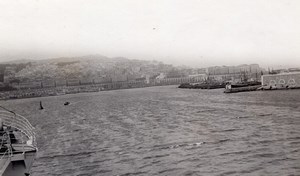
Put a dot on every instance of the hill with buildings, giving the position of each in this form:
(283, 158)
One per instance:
(86, 68)
(98, 69)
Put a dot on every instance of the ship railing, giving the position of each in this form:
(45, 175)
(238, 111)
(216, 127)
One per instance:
(20, 123)
(6, 153)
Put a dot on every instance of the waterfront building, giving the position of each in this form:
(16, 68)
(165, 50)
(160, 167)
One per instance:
(238, 73)
(294, 69)
(29, 85)
(161, 76)
(225, 70)
(73, 82)
(118, 77)
(48, 83)
(9, 74)
(147, 79)
(86, 81)
(60, 82)
(283, 80)
(202, 71)
(198, 77)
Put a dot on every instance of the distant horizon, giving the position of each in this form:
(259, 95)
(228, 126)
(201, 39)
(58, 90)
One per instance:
(195, 33)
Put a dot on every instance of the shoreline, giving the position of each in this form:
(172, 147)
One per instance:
(59, 91)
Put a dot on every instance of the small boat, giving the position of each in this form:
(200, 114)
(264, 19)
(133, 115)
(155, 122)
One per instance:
(245, 84)
(18, 146)
(229, 89)
(204, 85)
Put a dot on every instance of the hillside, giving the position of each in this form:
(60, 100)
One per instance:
(86, 67)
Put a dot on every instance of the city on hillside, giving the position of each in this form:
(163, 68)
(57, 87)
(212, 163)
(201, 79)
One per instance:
(31, 78)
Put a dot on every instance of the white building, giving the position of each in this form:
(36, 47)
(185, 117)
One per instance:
(284, 80)
(198, 77)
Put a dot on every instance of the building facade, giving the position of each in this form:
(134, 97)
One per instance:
(284, 80)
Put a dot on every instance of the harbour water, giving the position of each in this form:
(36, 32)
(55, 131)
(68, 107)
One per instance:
(166, 131)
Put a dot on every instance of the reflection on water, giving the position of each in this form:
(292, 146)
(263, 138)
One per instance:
(166, 131)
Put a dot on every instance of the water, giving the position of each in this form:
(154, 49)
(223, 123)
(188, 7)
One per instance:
(166, 131)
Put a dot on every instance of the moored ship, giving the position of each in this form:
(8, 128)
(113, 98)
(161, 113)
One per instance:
(18, 146)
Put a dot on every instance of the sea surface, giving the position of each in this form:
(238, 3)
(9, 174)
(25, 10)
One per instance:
(166, 131)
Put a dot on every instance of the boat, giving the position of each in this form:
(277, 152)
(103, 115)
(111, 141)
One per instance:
(245, 84)
(208, 83)
(18, 145)
(203, 85)
(229, 89)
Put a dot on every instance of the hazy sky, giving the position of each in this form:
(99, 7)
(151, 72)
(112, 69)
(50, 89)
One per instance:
(191, 32)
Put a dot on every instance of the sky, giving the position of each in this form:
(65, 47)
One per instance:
(197, 33)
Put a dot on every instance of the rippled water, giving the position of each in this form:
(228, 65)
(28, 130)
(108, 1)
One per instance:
(166, 131)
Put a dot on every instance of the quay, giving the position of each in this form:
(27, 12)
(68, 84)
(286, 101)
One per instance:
(281, 81)
(268, 82)
(39, 89)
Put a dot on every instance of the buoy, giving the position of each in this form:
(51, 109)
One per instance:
(41, 106)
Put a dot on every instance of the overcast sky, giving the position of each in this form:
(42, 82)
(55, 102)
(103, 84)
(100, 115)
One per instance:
(191, 32)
